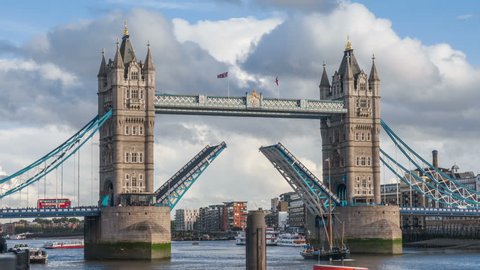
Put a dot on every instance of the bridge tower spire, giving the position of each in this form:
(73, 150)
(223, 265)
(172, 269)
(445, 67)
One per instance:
(351, 141)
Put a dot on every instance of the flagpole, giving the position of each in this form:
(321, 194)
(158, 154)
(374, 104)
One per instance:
(228, 85)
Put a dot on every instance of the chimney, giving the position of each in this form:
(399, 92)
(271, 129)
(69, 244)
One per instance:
(435, 158)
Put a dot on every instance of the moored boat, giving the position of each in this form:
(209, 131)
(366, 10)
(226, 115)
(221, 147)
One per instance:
(324, 255)
(64, 245)
(37, 255)
(240, 239)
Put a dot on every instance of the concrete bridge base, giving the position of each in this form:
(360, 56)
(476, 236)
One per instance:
(371, 229)
(129, 233)
(366, 229)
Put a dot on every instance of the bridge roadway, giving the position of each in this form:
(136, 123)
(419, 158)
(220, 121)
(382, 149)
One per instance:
(84, 211)
(252, 104)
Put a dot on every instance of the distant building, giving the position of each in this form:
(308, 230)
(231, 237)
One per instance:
(185, 219)
(211, 218)
(296, 211)
(235, 216)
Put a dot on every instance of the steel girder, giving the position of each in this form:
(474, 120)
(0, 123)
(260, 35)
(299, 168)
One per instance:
(174, 189)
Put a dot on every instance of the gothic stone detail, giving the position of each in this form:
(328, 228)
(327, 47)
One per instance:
(126, 86)
(351, 141)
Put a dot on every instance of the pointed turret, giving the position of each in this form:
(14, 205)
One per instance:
(126, 48)
(324, 82)
(148, 60)
(373, 72)
(118, 60)
(102, 72)
(348, 53)
(324, 85)
(348, 70)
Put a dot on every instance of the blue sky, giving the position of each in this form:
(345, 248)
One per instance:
(426, 56)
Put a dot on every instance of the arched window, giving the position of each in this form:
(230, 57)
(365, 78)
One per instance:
(134, 130)
(140, 157)
(127, 130)
(140, 130)
(127, 157)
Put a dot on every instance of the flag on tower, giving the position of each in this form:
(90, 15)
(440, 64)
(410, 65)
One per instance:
(222, 75)
(276, 80)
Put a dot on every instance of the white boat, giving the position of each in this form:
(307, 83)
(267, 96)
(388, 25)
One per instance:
(270, 237)
(240, 239)
(37, 255)
(64, 245)
(291, 240)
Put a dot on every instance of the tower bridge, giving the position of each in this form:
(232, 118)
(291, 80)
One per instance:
(132, 220)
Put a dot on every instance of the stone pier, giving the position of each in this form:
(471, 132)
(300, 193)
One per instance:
(133, 233)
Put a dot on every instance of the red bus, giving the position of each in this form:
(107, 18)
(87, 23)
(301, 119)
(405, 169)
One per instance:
(53, 203)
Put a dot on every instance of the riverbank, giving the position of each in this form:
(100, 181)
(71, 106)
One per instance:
(463, 244)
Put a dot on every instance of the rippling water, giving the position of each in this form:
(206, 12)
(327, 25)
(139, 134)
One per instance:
(226, 255)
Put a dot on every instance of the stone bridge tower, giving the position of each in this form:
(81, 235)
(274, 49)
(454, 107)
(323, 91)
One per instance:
(129, 225)
(127, 86)
(351, 145)
(351, 141)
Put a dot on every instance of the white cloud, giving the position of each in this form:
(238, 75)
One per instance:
(464, 17)
(47, 71)
(226, 40)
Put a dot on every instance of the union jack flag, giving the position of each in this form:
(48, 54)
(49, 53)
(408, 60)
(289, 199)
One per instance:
(222, 75)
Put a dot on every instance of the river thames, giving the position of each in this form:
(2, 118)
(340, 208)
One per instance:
(227, 255)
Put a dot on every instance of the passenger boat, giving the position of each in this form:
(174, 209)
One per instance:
(58, 245)
(337, 267)
(291, 240)
(240, 239)
(270, 237)
(38, 256)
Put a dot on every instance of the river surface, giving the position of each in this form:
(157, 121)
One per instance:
(227, 255)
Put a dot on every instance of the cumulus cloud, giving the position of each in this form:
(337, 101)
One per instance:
(233, 37)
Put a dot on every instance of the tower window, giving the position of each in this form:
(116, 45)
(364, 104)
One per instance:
(134, 75)
(140, 130)
(134, 130)
(134, 181)
(363, 136)
(127, 130)
(134, 157)
(368, 136)
(127, 157)
(140, 157)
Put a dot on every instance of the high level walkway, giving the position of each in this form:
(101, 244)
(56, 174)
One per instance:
(251, 105)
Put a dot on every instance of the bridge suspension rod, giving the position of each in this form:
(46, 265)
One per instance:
(43, 166)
